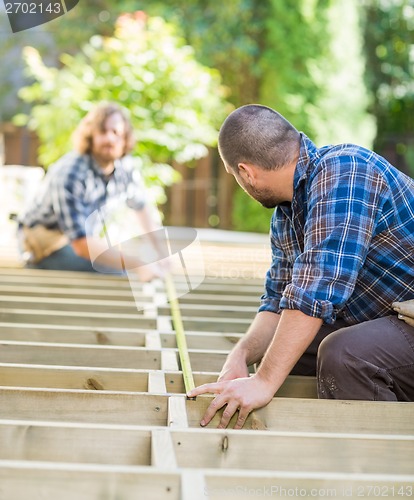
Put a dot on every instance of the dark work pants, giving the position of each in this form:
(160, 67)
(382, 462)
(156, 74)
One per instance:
(66, 259)
(371, 361)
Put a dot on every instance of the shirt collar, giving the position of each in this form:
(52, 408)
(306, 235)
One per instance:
(98, 170)
(307, 151)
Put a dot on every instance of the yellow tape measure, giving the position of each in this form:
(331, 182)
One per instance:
(179, 334)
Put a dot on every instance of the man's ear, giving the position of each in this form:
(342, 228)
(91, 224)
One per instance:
(247, 172)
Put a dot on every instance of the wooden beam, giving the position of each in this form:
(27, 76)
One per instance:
(153, 340)
(203, 340)
(225, 300)
(369, 454)
(83, 406)
(80, 355)
(226, 483)
(177, 412)
(60, 443)
(212, 310)
(126, 380)
(162, 450)
(169, 359)
(62, 292)
(222, 449)
(81, 378)
(193, 485)
(233, 325)
(86, 319)
(156, 382)
(282, 414)
(86, 482)
(100, 335)
(310, 415)
(74, 304)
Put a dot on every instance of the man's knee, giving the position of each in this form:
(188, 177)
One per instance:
(331, 364)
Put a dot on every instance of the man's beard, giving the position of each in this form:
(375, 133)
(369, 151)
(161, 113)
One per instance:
(266, 198)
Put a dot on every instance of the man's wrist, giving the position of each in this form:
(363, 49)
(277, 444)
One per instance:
(239, 354)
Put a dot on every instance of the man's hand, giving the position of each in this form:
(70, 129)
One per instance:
(242, 394)
(233, 368)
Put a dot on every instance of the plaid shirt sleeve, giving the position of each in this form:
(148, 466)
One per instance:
(278, 276)
(68, 193)
(343, 205)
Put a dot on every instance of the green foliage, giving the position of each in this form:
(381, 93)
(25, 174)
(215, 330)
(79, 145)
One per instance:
(227, 36)
(295, 41)
(340, 113)
(389, 42)
(249, 215)
(176, 104)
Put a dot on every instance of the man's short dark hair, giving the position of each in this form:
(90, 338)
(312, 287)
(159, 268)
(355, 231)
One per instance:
(258, 135)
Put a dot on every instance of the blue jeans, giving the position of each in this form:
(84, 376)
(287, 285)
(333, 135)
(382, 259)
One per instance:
(66, 259)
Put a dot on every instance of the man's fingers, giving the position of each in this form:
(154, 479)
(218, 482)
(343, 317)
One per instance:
(213, 388)
(243, 414)
(405, 308)
(228, 412)
(217, 403)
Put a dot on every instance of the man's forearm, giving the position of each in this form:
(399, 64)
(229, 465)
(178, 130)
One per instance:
(252, 346)
(294, 333)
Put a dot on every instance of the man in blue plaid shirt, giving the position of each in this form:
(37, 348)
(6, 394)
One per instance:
(342, 237)
(59, 225)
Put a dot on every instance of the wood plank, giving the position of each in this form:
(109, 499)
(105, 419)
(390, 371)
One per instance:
(29, 332)
(222, 449)
(193, 485)
(310, 415)
(225, 300)
(228, 289)
(86, 482)
(74, 304)
(156, 382)
(202, 340)
(62, 292)
(177, 412)
(294, 386)
(233, 325)
(282, 414)
(69, 377)
(212, 311)
(79, 355)
(65, 443)
(169, 359)
(67, 279)
(294, 452)
(86, 319)
(162, 450)
(153, 340)
(221, 484)
(83, 406)
(129, 380)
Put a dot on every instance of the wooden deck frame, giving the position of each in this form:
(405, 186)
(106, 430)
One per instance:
(123, 406)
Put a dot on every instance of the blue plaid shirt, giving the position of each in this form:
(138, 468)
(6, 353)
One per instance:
(344, 247)
(75, 187)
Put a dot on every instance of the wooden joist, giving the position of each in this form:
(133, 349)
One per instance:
(129, 380)
(195, 448)
(281, 414)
